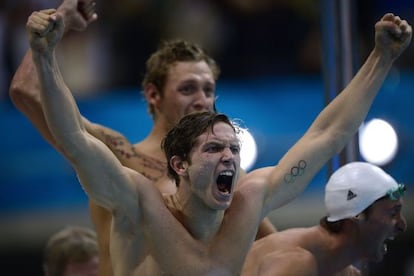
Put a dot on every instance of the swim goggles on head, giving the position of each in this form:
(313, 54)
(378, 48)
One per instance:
(397, 192)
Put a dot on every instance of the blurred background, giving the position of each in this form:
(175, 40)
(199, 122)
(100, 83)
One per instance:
(277, 73)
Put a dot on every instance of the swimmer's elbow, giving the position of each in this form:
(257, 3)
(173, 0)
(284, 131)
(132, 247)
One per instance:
(22, 99)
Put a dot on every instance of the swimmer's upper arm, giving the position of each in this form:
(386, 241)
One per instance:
(102, 176)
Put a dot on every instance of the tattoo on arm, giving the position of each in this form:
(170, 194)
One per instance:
(295, 171)
(151, 168)
(113, 142)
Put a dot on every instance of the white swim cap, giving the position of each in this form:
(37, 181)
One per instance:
(354, 187)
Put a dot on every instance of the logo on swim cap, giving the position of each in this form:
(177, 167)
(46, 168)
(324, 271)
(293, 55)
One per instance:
(351, 195)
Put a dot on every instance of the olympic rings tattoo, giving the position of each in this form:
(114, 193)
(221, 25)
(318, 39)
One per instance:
(295, 172)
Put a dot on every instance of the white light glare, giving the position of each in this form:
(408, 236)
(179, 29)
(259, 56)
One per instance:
(378, 142)
(248, 152)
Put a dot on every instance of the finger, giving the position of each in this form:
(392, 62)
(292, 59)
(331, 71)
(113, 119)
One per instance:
(394, 30)
(397, 20)
(37, 23)
(48, 29)
(40, 18)
(388, 17)
(57, 19)
(404, 25)
(89, 11)
(48, 11)
(406, 30)
(50, 20)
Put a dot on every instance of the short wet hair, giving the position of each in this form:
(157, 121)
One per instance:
(181, 139)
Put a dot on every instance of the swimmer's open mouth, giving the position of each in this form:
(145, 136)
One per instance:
(385, 245)
(225, 181)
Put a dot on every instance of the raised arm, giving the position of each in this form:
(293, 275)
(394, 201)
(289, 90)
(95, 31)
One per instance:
(340, 119)
(25, 89)
(96, 166)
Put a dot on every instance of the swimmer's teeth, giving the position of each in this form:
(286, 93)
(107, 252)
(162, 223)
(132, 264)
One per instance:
(226, 173)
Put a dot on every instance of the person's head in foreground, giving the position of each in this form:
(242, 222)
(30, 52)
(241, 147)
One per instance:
(365, 201)
(72, 251)
(213, 136)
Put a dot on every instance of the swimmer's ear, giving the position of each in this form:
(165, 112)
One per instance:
(152, 95)
(180, 166)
